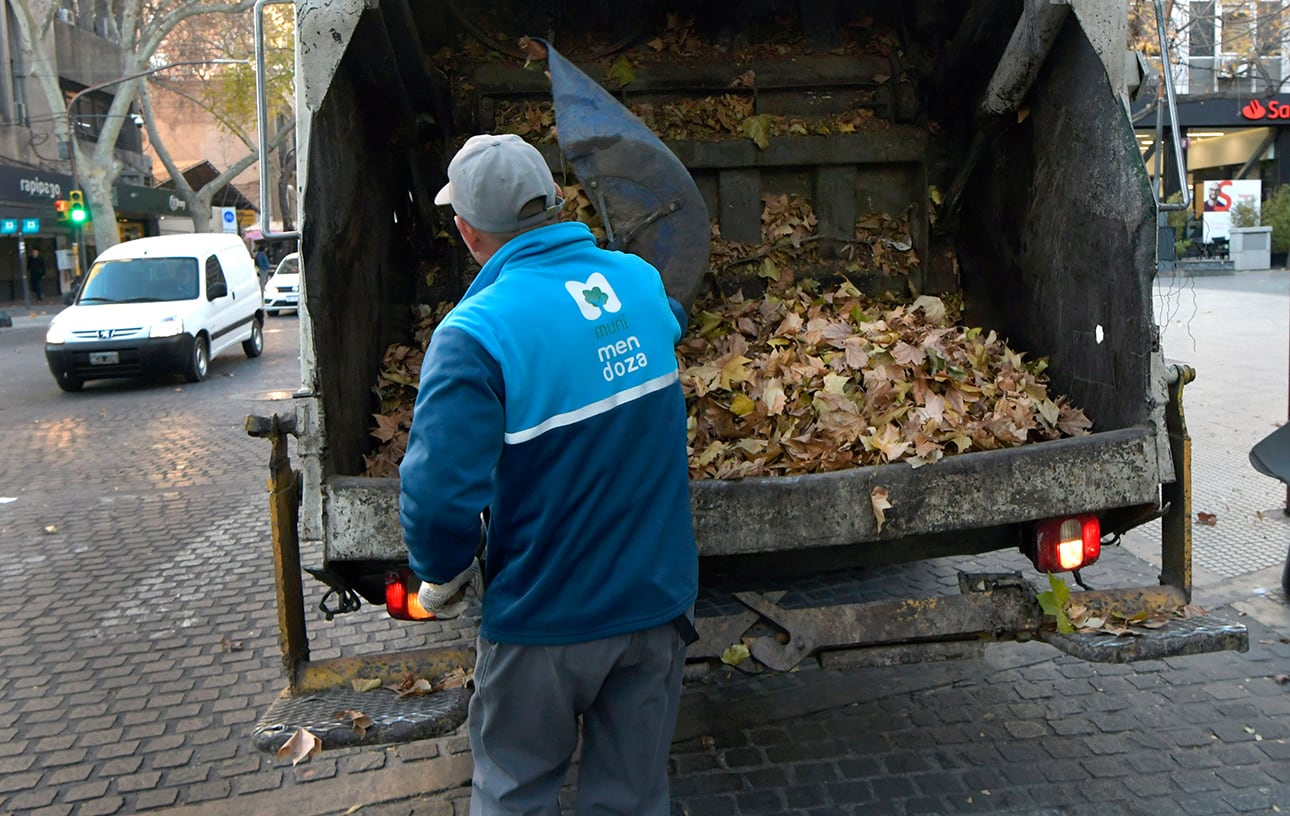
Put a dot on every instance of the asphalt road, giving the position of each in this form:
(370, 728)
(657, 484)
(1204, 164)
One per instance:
(139, 638)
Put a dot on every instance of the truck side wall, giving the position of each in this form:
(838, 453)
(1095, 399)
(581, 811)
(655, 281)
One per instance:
(1055, 200)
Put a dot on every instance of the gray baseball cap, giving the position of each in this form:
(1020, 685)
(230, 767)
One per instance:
(492, 177)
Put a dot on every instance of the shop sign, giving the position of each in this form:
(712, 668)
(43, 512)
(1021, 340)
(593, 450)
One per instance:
(30, 225)
(1256, 111)
(9, 226)
(19, 184)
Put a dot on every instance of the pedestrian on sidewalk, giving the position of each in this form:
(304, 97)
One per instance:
(577, 447)
(262, 265)
(36, 273)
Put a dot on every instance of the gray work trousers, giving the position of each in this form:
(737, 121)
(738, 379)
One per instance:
(524, 724)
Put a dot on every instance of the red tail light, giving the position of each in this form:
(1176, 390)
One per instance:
(401, 596)
(1065, 544)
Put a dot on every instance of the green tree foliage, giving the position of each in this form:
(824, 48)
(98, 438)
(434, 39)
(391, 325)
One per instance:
(1276, 214)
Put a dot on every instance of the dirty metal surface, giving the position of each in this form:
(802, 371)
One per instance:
(1189, 636)
(999, 611)
(394, 719)
(963, 492)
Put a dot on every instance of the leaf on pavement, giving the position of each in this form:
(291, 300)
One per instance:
(1208, 519)
(362, 684)
(302, 746)
(229, 645)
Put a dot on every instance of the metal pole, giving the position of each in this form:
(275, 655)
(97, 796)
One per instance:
(262, 121)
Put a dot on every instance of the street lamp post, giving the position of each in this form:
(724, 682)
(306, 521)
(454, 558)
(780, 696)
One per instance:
(77, 245)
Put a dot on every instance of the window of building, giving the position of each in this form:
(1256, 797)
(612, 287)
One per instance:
(1270, 28)
(1238, 30)
(1200, 28)
(88, 113)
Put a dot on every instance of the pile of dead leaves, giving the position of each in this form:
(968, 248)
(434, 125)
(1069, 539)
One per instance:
(396, 392)
(702, 119)
(809, 381)
(882, 245)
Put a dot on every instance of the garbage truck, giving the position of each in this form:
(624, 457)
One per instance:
(993, 135)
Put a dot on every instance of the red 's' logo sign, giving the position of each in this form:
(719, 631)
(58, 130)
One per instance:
(1273, 109)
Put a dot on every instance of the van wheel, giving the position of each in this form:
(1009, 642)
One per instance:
(69, 383)
(255, 344)
(199, 362)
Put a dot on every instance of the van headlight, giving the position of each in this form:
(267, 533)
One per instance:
(168, 327)
(56, 335)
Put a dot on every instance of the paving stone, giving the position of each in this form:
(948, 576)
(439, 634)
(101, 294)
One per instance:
(156, 798)
(103, 806)
(207, 791)
(67, 774)
(19, 781)
(315, 770)
(31, 799)
(257, 783)
(173, 758)
(88, 790)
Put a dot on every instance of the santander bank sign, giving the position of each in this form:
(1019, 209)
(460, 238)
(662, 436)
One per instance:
(1257, 111)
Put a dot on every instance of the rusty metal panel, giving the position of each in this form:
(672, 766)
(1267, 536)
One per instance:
(969, 491)
(793, 513)
(740, 213)
(363, 520)
(1185, 636)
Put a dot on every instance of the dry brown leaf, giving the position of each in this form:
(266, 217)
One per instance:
(1208, 519)
(412, 687)
(229, 645)
(302, 746)
(456, 678)
(878, 499)
(360, 721)
(365, 684)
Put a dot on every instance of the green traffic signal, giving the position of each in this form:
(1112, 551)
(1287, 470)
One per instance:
(76, 212)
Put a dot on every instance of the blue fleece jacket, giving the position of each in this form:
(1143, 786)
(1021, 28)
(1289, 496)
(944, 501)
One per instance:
(550, 395)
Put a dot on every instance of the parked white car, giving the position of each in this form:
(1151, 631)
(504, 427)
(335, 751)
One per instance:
(282, 291)
(158, 305)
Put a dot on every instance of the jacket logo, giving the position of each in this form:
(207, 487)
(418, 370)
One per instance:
(594, 296)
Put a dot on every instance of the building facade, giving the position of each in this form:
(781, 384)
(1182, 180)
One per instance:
(1230, 72)
(35, 170)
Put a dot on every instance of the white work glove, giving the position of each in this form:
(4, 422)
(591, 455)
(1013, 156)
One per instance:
(435, 597)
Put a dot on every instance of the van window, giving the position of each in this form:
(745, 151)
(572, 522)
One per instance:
(140, 280)
(215, 277)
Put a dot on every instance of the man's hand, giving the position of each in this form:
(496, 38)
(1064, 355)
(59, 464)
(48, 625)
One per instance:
(435, 597)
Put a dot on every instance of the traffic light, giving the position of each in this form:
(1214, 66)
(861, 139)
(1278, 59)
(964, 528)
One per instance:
(63, 208)
(76, 212)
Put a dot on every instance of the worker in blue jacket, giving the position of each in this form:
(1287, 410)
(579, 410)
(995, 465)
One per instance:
(550, 397)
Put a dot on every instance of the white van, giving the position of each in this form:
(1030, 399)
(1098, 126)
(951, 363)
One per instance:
(159, 305)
